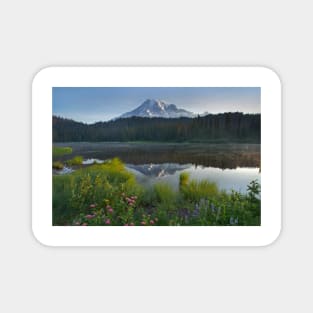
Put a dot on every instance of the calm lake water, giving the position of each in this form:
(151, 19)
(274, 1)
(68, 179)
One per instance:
(231, 166)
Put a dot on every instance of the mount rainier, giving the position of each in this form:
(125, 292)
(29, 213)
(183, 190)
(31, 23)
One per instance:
(157, 108)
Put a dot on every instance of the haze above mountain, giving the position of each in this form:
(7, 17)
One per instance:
(158, 108)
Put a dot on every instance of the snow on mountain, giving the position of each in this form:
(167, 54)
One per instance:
(157, 108)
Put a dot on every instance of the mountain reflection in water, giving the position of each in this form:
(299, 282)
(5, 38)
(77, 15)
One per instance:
(158, 170)
(231, 166)
(215, 155)
(226, 179)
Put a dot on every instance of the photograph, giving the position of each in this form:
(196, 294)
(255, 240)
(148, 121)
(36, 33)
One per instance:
(156, 156)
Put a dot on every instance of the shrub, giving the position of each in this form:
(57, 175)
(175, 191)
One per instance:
(57, 165)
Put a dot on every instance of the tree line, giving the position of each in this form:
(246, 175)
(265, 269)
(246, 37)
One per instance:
(223, 127)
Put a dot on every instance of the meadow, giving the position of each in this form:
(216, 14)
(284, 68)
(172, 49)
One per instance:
(109, 195)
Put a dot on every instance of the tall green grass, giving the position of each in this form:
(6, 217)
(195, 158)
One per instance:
(183, 180)
(196, 190)
(77, 160)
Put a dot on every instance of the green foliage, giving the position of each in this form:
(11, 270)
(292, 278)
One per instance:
(60, 151)
(254, 189)
(62, 186)
(164, 193)
(57, 165)
(108, 195)
(197, 190)
(77, 160)
(183, 180)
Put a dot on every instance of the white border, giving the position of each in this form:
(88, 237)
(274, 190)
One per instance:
(156, 77)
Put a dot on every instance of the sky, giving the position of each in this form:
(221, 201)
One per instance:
(93, 104)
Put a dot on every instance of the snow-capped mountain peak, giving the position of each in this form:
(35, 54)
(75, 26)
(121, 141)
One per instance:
(157, 108)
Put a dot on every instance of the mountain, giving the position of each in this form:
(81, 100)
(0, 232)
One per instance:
(157, 108)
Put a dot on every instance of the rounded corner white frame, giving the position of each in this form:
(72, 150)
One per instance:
(262, 77)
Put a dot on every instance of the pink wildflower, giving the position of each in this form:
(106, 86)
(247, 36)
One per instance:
(152, 222)
(143, 223)
(84, 224)
(90, 216)
(130, 200)
(125, 224)
(110, 210)
(108, 222)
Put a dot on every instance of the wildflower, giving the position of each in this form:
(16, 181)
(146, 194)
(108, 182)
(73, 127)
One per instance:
(130, 201)
(126, 224)
(143, 223)
(77, 223)
(84, 224)
(90, 216)
(156, 219)
(132, 224)
(108, 222)
(152, 222)
(92, 206)
(110, 210)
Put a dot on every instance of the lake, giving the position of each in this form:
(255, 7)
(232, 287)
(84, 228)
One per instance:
(231, 166)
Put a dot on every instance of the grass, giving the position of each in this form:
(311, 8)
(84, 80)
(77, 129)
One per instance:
(183, 180)
(60, 151)
(77, 160)
(108, 195)
(195, 191)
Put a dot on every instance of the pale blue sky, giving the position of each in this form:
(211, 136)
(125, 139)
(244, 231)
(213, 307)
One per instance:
(92, 104)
